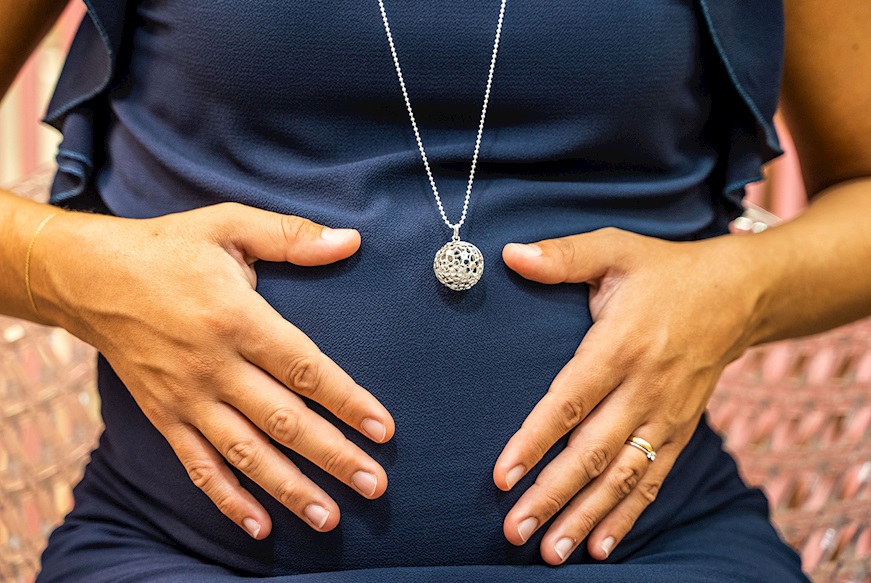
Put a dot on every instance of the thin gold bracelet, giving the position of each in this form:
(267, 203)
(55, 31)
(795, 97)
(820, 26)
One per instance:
(27, 259)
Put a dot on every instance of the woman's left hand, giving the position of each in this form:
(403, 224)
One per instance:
(668, 317)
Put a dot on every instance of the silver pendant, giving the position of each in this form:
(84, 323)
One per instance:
(458, 264)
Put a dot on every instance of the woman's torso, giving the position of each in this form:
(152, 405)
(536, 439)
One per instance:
(600, 114)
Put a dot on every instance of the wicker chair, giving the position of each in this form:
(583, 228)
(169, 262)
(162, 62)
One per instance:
(796, 414)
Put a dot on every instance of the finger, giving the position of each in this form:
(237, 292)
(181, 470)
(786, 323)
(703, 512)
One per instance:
(590, 450)
(285, 352)
(577, 389)
(285, 418)
(620, 520)
(249, 450)
(278, 237)
(572, 259)
(595, 501)
(209, 472)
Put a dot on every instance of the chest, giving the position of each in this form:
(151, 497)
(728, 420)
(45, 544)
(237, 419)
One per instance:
(559, 58)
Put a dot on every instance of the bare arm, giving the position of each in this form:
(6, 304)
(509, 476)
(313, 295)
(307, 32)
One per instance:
(23, 23)
(19, 219)
(818, 267)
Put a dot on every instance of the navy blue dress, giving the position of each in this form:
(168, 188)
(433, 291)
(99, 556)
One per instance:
(650, 116)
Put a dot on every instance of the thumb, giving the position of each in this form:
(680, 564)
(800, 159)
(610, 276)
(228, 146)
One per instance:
(272, 236)
(573, 259)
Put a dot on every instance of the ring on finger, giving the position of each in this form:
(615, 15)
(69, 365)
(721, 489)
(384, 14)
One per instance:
(643, 445)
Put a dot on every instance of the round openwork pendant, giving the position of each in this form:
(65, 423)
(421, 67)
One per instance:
(458, 265)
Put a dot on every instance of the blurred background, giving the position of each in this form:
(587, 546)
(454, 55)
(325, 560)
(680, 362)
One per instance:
(796, 414)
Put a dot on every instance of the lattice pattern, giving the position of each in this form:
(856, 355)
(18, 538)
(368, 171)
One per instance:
(797, 415)
(49, 422)
(458, 265)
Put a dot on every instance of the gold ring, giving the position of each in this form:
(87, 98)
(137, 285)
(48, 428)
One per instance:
(643, 445)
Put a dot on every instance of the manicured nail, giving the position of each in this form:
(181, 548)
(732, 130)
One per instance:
(527, 527)
(365, 482)
(317, 515)
(529, 250)
(563, 547)
(252, 526)
(608, 545)
(336, 235)
(374, 429)
(514, 474)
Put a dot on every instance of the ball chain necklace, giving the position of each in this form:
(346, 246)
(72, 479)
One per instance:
(458, 264)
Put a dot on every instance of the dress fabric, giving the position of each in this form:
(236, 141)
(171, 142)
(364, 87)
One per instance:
(647, 116)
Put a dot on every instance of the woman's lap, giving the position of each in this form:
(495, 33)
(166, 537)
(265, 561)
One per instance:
(729, 546)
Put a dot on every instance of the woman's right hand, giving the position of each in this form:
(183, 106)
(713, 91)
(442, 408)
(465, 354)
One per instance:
(171, 303)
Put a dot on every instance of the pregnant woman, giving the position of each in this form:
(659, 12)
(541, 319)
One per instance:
(256, 193)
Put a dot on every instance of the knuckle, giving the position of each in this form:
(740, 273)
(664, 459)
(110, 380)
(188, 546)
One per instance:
(222, 321)
(202, 474)
(552, 500)
(303, 375)
(595, 459)
(538, 439)
(649, 491)
(293, 228)
(566, 250)
(571, 414)
(221, 220)
(284, 425)
(287, 492)
(244, 454)
(226, 504)
(583, 521)
(223, 212)
(625, 480)
(332, 460)
(343, 407)
(163, 418)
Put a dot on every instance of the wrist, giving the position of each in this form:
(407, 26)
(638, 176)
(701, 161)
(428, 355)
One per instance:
(28, 288)
(754, 265)
(23, 226)
(58, 251)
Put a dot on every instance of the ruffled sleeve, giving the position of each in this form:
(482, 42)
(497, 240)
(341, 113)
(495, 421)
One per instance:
(79, 108)
(748, 36)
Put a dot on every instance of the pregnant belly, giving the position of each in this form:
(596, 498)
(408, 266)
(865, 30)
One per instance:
(459, 373)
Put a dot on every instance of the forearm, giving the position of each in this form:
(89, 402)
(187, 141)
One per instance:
(813, 273)
(19, 219)
(23, 23)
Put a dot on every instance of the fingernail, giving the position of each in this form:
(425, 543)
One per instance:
(365, 482)
(527, 527)
(375, 429)
(252, 526)
(317, 515)
(563, 547)
(608, 545)
(514, 474)
(529, 250)
(336, 235)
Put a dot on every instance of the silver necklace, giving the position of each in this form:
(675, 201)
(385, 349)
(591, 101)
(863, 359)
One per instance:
(458, 264)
